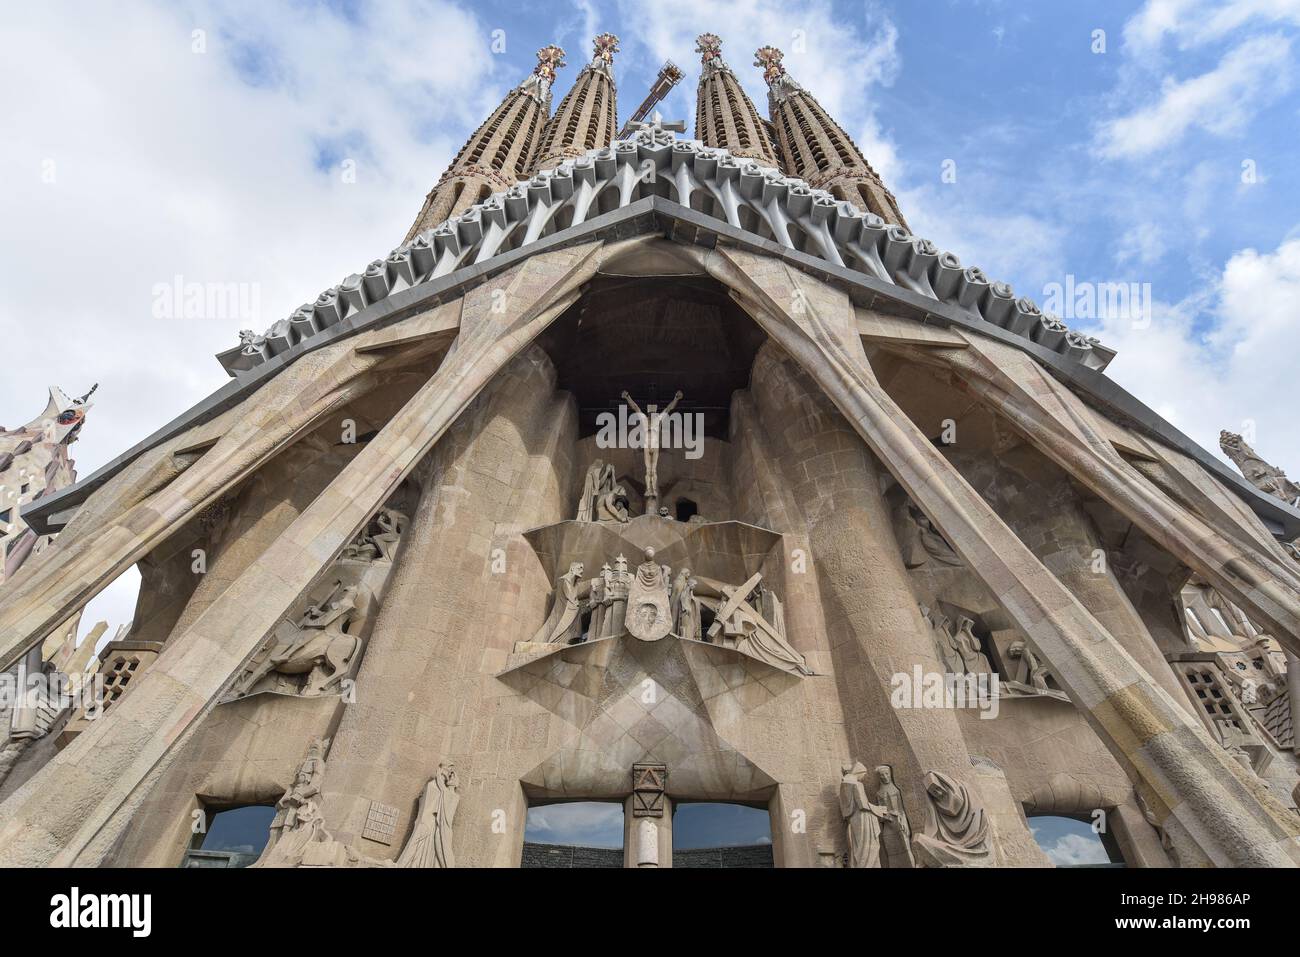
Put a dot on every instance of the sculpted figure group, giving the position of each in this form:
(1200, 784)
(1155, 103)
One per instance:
(299, 837)
(602, 498)
(959, 649)
(880, 835)
(311, 654)
(650, 603)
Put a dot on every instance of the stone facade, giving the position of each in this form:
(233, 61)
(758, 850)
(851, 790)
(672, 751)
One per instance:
(649, 517)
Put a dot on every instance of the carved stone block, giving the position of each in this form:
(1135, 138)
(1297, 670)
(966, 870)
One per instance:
(648, 784)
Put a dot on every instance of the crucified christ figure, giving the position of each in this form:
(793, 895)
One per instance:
(650, 447)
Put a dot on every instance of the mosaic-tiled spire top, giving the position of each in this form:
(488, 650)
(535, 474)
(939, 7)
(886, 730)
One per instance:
(725, 116)
(709, 47)
(603, 49)
(550, 58)
(587, 117)
(814, 147)
(780, 84)
(500, 152)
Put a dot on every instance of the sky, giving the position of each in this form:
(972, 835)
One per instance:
(271, 149)
(600, 824)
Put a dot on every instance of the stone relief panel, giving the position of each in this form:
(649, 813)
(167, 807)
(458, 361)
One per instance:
(650, 603)
(879, 834)
(311, 653)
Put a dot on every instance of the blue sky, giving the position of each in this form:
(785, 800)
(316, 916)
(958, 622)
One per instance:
(281, 146)
(600, 824)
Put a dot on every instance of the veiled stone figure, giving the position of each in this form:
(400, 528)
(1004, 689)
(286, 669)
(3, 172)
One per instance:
(686, 607)
(602, 498)
(430, 842)
(896, 830)
(974, 661)
(597, 475)
(862, 819)
(1030, 671)
(923, 541)
(649, 607)
(957, 833)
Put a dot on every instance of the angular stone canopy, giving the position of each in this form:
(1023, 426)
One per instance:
(742, 193)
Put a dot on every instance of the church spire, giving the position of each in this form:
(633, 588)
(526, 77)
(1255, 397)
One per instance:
(587, 116)
(725, 116)
(499, 152)
(812, 146)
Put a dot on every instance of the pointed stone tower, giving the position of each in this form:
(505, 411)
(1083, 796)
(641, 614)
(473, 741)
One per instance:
(500, 151)
(587, 117)
(815, 148)
(725, 116)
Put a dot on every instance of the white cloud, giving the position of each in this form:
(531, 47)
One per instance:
(1075, 849)
(1221, 101)
(1142, 243)
(1196, 22)
(221, 166)
(1224, 358)
(1005, 244)
(837, 59)
(584, 823)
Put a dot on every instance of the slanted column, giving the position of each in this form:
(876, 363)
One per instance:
(1043, 509)
(77, 567)
(1197, 793)
(1057, 423)
(72, 811)
(871, 617)
(465, 587)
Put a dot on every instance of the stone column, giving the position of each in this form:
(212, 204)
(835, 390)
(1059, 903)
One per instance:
(1198, 794)
(463, 579)
(648, 841)
(1039, 504)
(74, 570)
(1058, 423)
(805, 816)
(62, 815)
(871, 617)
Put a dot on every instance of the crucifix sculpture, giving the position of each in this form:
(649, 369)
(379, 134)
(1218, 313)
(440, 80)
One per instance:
(650, 441)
